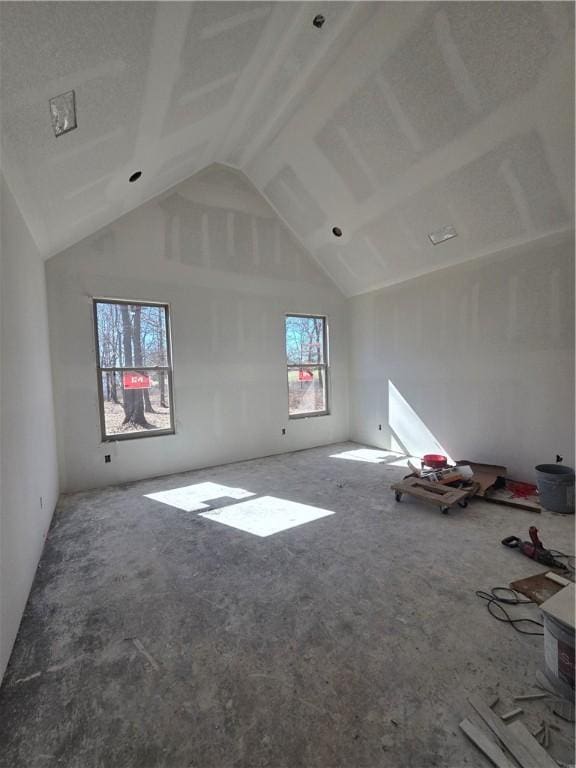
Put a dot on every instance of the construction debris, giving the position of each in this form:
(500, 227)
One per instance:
(515, 738)
(513, 713)
(530, 696)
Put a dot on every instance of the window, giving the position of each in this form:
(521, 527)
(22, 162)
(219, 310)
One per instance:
(306, 355)
(134, 369)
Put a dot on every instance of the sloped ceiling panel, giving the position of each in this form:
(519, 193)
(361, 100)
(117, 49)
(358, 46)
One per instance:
(391, 121)
(434, 114)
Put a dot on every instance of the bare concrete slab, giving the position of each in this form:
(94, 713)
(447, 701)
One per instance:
(159, 638)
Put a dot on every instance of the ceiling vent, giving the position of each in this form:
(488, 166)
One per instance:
(63, 113)
(441, 235)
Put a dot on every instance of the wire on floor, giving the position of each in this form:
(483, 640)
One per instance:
(495, 605)
(563, 556)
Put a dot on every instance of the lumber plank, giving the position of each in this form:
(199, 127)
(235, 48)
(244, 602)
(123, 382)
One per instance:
(539, 754)
(485, 745)
(557, 578)
(508, 737)
(509, 715)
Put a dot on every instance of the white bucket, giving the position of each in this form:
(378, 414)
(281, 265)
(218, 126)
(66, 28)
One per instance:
(559, 656)
(558, 614)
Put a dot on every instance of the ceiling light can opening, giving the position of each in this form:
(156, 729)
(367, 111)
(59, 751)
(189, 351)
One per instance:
(318, 21)
(336, 231)
(442, 235)
(135, 176)
(63, 113)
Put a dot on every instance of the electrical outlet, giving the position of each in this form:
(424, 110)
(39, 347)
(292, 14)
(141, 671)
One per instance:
(283, 430)
(107, 458)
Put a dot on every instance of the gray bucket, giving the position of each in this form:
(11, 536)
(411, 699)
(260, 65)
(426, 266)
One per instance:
(556, 487)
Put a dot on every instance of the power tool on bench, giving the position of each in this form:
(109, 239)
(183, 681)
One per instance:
(534, 549)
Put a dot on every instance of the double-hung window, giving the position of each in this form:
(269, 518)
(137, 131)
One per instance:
(134, 368)
(307, 363)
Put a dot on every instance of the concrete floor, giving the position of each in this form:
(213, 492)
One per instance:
(352, 641)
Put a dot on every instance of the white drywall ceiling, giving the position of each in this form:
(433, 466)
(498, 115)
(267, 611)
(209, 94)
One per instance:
(394, 119)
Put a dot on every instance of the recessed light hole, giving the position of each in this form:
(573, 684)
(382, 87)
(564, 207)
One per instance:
(336, 231)
(135, 176)
(318, 21)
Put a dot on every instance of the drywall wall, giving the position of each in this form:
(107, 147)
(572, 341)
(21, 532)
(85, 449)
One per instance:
(28, 469)
(477, 360)
(215, 251)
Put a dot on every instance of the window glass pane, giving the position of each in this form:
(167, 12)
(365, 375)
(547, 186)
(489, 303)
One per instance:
(131, 335)
(306, 390)
(135, 401)
(304, 340)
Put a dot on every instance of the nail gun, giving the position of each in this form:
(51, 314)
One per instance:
(534, 549)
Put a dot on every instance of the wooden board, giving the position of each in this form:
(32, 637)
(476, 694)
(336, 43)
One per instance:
(538, 588)
(510, 738)
(485, 745)
(503, 496)
(539, 755)
(435, 493)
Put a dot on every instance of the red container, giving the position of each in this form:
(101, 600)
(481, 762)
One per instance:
(435, 460)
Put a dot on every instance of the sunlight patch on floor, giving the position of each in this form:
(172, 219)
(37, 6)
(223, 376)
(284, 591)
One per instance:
(370, 455)
(190, 498)
(402, 461)
(266, 515)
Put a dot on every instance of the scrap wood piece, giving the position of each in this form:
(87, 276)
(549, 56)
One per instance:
(509, 735)
(513, 712)
(538, 588)
(507, 496)
(530, 696)
(485, 745)
(565, 710)
(557, 578)
(539, 757)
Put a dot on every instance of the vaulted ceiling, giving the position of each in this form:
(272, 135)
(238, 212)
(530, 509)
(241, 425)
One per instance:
(390, 121)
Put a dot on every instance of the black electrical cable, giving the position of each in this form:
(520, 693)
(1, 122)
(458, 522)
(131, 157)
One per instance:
(497, 603)
(562, 555)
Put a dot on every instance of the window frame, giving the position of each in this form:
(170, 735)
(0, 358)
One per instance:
(169, 369)
(325, 366)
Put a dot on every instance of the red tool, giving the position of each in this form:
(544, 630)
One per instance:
(534, 549)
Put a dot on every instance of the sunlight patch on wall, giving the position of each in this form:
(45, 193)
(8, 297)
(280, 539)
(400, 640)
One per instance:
(191, 497)
(266, 515)
(409, 428)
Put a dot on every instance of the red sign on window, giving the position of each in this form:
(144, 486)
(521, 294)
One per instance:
(135, 380)
(305, 375)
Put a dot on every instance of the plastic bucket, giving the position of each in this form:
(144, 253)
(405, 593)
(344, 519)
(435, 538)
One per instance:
(559, 655)
(434, 460)
(556, 487)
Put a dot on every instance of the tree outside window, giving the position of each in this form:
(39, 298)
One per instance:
(307, 365)
(134, 368)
